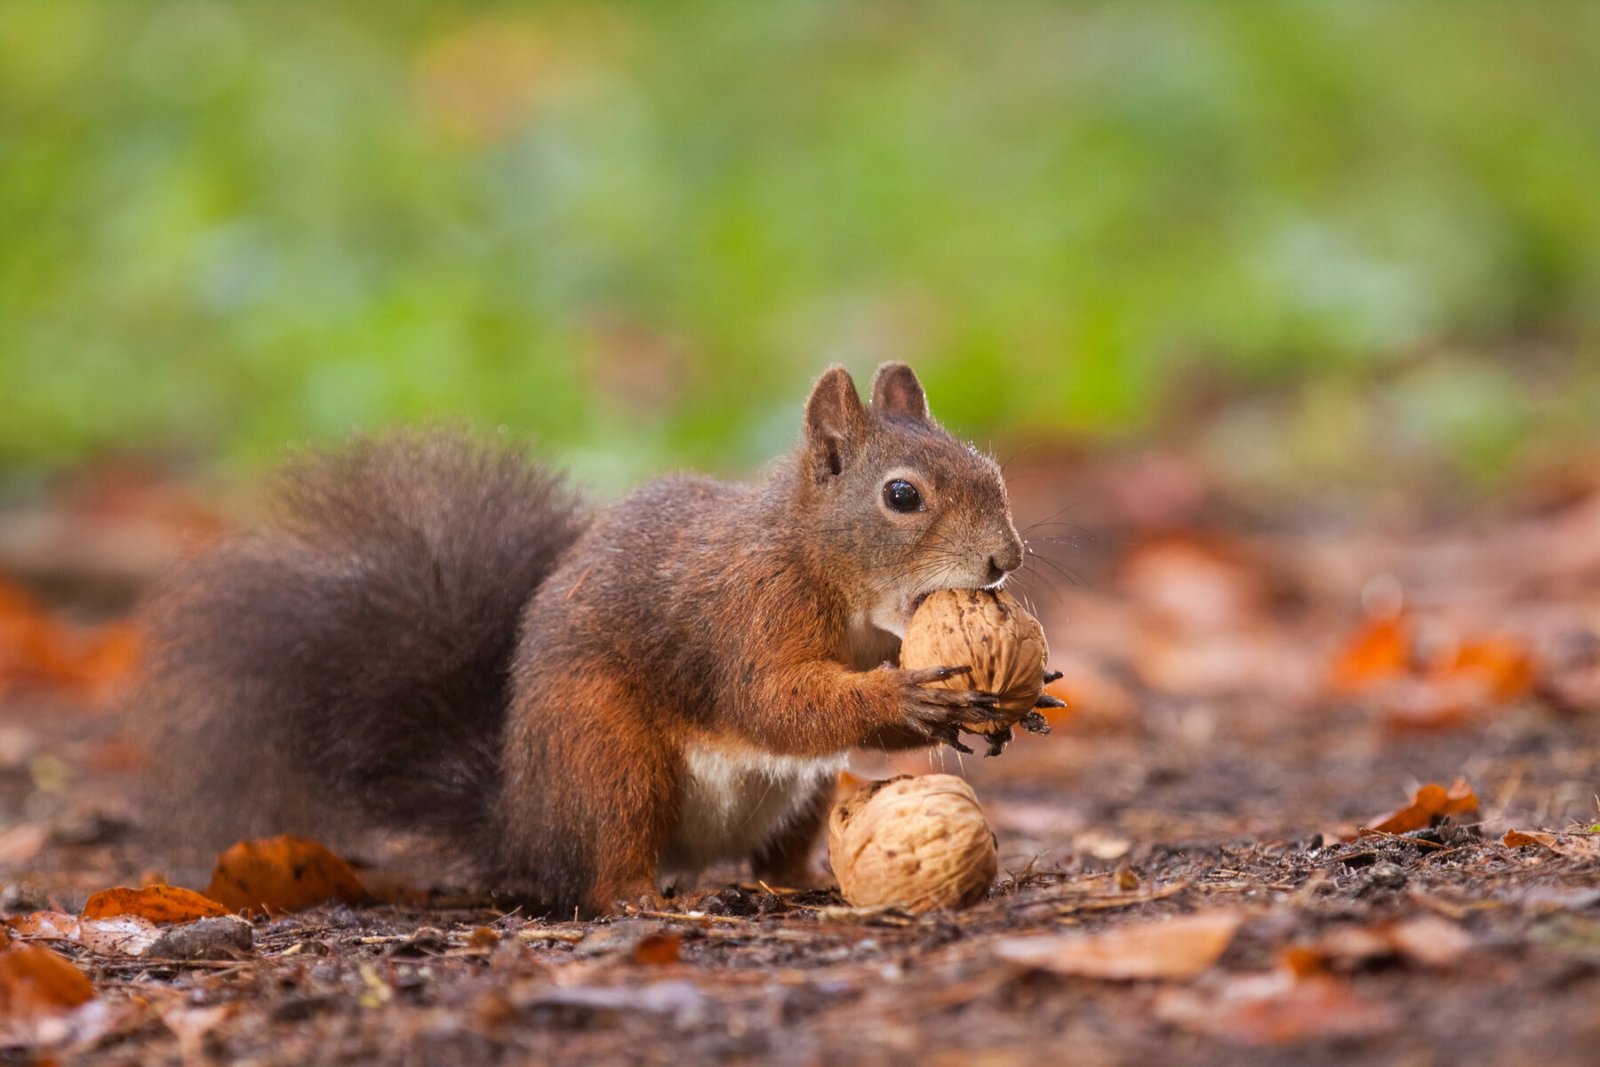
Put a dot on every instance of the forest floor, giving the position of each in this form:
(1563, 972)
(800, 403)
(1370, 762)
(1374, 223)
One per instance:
(1226, 852)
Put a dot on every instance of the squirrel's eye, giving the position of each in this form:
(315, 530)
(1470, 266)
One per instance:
(902, 496)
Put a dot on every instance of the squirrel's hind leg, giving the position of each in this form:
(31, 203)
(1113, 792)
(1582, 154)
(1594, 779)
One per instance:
(590, 796)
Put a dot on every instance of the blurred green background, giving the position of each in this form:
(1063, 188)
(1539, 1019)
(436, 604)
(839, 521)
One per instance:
(1314, 235)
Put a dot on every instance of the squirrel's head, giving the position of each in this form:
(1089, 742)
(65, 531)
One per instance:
(899, 506)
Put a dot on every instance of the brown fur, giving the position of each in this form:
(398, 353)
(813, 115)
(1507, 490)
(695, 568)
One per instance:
(741, 626)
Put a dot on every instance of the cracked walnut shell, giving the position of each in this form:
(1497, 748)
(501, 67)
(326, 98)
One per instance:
(919, 843)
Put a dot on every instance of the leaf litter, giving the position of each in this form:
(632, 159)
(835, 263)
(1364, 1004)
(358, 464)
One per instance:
(1193, 866)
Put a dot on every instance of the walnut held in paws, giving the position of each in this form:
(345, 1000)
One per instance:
(920, 843)
(988, 631)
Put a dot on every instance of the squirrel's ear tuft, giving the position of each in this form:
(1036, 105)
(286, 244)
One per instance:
(896, 391)
(836, 422)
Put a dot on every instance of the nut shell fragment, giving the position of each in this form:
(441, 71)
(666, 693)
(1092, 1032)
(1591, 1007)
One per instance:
(919, 843)
(987, 630)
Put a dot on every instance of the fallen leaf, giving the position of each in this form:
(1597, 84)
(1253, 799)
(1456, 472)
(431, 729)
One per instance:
(1179, 948)
(1504, 667)
(1431, 803)
(119, 935)
(35, 980)
(192, 1025)
(657, 949)
(282, 874)
(157, 903)
(1426, 939)
(1378, 651)
(39, 651)
(1573, 845)
(1279, 1008)
(1415, 688)
(45, 925)
(22, 842)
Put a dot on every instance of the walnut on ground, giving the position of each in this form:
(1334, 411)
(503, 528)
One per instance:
(920, 843)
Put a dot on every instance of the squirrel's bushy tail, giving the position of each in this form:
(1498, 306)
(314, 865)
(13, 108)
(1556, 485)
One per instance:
(345, 667)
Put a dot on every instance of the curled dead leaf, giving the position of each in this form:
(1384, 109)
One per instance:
(1278, 1008)
(39, 651)
(657, 949)
(282, 874)
(1177, 949)
(157, 903)
(35, 980)
(1428, 805)
(1427, 940)
(1572, 845)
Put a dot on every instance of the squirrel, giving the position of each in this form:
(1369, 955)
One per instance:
(436, 636)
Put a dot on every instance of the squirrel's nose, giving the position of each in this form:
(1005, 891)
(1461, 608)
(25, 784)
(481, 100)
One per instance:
(1005, 561)
(1008, 558)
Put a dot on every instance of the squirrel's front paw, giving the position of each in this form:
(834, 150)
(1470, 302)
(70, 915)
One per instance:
(939, 714)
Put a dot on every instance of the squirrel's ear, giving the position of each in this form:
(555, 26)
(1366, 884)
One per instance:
(835, 421)
(896, 391)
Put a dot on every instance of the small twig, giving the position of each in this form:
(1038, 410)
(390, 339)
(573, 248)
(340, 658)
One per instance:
(695, 917)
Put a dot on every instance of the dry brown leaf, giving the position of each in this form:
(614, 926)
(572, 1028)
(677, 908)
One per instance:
(281, 874)
(157, 903)
(1501, 664)
(45, 925)
(35, 981)
(121, 921)
(1276, 1009)
(1572, 845)
(1378, 651)
(657, 949)
(1179, 948)
(1416, 689)
(38, 651)
(1430, 803)
(1426, 939)
(118, 935)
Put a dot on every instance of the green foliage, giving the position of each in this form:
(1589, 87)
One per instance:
(638, 230)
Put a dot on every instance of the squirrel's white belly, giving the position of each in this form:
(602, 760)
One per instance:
(734, 802)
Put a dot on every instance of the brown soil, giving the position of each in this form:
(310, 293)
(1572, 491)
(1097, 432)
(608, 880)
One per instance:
(1224, 747)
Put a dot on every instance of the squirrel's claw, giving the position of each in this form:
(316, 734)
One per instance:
(998, 741)
(1052, 676)
(1034, 723)
(925, 675)
(1048, 701)
(953, 739)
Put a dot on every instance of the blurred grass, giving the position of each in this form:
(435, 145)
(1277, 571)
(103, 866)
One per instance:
(638, 230)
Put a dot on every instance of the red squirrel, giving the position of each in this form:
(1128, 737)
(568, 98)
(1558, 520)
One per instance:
(436, 637)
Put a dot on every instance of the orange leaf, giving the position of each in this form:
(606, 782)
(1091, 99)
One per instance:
(1430, 804)
(1426, 940)
(1276, 1009)
(280, 874)
(34, 980)
(1504, 667)
(1578, 846)
(39, 651)
(1179, 948)
(50, 925)
(1379, 651)
(158, 903)
(657, 949)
